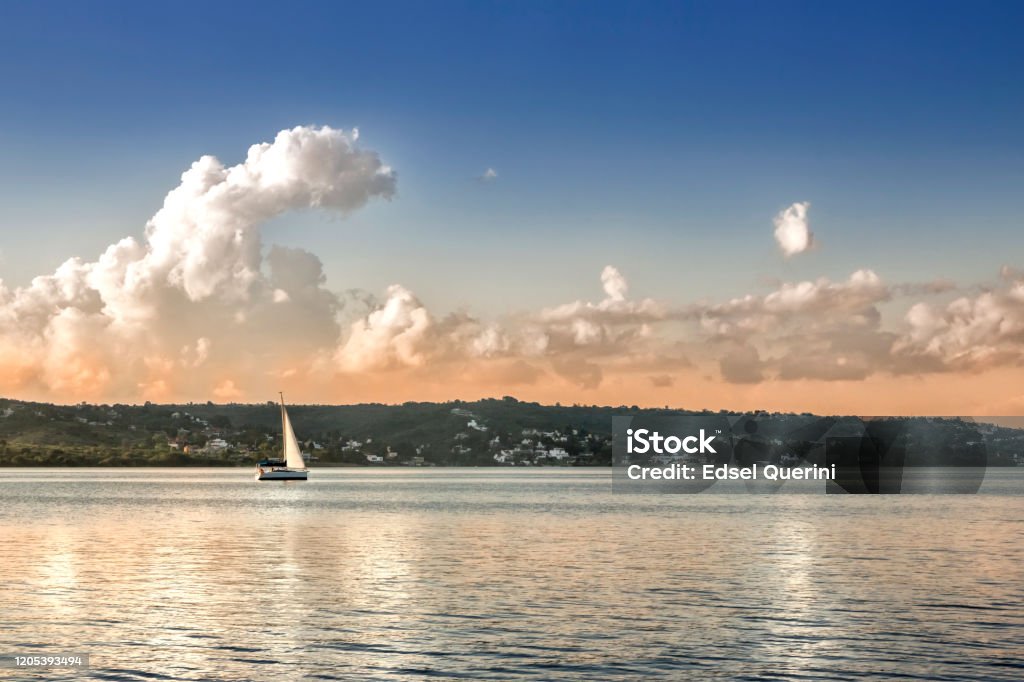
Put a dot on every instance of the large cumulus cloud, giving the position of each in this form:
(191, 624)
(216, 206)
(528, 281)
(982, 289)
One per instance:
(141, 318)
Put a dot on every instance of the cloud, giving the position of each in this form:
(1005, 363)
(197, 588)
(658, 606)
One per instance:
(815, 302)
(813, 329)
(489, 175)
(198, 280)
(395, 334)
(792, 231)
(204, 238)
(571, 339)
(970, 332)
(661, 381)
(199, 306)
(195, 356)
(226, 391)
(614, 309)
(831, 330)
(615, 285)
(839, 353)
(579, 371)
(742, 365)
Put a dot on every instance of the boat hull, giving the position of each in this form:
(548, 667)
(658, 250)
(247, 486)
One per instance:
(281, 475)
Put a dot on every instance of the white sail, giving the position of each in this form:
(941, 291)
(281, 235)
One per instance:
(292, 454)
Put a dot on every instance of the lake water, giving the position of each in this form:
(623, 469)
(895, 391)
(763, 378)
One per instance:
(190, 574)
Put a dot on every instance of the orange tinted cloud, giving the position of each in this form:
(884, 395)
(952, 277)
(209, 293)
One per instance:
(199, 309)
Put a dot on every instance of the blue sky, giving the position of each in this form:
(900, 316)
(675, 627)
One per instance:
(660, 137)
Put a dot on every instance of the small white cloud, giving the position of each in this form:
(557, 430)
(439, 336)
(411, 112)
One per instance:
(792, 231)
(615, 285)
(489, 175)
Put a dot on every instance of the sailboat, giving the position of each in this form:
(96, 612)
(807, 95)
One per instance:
(292, 467)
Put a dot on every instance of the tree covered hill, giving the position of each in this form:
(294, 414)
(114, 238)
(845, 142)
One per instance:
(484, 432)
(465, 433)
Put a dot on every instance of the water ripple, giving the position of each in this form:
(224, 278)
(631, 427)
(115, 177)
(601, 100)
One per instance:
(470, 574)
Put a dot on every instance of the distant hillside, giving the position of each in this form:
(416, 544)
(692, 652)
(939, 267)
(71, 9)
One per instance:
(485, 432)
(194, 433)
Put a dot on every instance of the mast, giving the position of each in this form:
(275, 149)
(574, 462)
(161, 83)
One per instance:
(292, 451)
(284, 435)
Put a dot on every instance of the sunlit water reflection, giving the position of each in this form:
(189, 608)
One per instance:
(190, 574)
